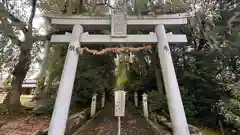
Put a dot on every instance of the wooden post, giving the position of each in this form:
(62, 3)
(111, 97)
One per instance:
(93, 105)
(61, 107)
(175, 104)
(103, 100)
(145, 105)
(136, 99)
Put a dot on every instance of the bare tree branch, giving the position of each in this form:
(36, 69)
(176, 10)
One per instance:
(232, 19)
(15, 21)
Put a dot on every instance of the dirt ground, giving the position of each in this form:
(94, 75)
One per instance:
(21, 125)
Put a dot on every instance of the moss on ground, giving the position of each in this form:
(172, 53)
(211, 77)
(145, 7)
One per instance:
(210, 132)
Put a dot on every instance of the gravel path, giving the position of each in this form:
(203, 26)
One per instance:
(106, 123)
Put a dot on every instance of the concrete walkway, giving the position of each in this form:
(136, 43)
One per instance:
(105, 123)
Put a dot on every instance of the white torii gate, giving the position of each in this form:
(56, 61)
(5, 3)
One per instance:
(119, 23)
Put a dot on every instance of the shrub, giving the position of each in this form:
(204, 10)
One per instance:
(156, 101)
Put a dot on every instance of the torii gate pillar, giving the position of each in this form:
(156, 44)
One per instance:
(61, 107)
(175, 105)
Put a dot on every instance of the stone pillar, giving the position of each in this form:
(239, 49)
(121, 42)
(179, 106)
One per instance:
(63, 99)
(175, 104)
(93, 105)
(103, 100)
(136, 99)
(145, 105)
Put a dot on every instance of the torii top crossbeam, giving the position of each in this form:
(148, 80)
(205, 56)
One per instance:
(130, 22)
(169, 19)
(119, 24)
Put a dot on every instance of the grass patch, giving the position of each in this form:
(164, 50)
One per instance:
(2, 97)
(210, 132)
(26, 100)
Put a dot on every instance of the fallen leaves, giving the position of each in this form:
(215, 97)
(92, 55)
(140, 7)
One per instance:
(22, 126)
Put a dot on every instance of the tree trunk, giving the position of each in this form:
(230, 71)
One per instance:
(19, 74)
(69, 8)
(51, 72)
(49, 84)
(20, 70)
(42, 73)
(80, 6)
(158, 74)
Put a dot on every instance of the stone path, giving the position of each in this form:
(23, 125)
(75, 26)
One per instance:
(105, 123)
